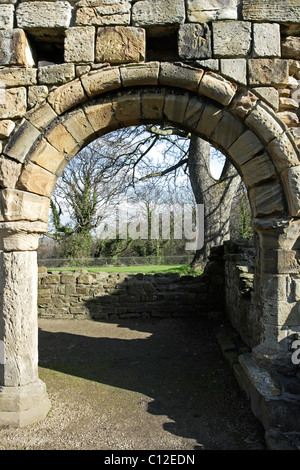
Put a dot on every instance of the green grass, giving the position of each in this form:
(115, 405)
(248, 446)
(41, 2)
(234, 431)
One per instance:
(182, 269)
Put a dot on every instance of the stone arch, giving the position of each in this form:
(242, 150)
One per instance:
(232, 118)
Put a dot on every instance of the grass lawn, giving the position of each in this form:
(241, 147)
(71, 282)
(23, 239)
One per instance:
(182, 269)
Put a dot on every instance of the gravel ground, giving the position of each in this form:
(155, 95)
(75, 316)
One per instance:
(151, 384)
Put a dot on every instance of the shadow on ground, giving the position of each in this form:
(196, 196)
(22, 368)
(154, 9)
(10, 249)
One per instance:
(145, 384)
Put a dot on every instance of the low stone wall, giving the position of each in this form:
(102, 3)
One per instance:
(100, 295)
(239, 277)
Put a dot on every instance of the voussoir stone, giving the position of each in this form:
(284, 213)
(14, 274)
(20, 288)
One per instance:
(140, 74)
(217, 88)
(66, 96)
(36, 179)
(180, 75)
(100, 81)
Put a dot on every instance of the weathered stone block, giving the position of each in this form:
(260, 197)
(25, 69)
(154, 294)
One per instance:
(209, 119)
(266, 199)
(61, 139)
(269, 95)
(79, 44)
(18, 76)
(283, 152)
(228, 130)
(14, 48)
(154, 14)
(278, 10)
(258, 170)
(217, 88)
(79, 127)
(103, 12)
(140, 74)
(14, 104)
(20, 205)
(101, 116)
(231, 38)
(245, 147)
(6, 128)
(41, 116)
(120, 44)
(21, 141)
(48, 157)
(235, 69)
(266, 40)
(37, 180)
(100, 81)
(202, 11)
(243, 103)
(268, 72)
(128, 109)
(152, 103)
(40, 14)
(66, 96)
(265, 123)
(56, 74)
(194, 41)
(9, 172)
(180, 76)
(193, 112)
(36, 95)
(291, 179)
(7, 17)
(175, 107)
(290, 47)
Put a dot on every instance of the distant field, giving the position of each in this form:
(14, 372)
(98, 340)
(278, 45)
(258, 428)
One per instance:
(182, 269)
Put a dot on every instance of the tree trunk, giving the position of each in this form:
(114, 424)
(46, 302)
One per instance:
(216, 195)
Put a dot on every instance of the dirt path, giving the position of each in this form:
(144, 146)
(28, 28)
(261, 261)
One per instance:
(137, 385)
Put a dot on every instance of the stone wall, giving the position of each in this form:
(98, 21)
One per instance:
(45, 45)
(239, 277)
(100, 295)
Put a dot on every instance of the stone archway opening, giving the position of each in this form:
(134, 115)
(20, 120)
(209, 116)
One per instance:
(231, 118)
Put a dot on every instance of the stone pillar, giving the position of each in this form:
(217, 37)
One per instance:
(23, 397)
(275, 291)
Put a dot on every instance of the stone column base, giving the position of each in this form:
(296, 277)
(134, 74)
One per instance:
(275, 400)
(24, 405)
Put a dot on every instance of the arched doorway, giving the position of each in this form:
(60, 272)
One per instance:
(231, 118)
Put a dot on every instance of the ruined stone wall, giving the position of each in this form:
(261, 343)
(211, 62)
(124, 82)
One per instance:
(47, 44)
(100, 295)
(239, 277)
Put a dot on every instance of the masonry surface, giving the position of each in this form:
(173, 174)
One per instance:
(72, 71)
